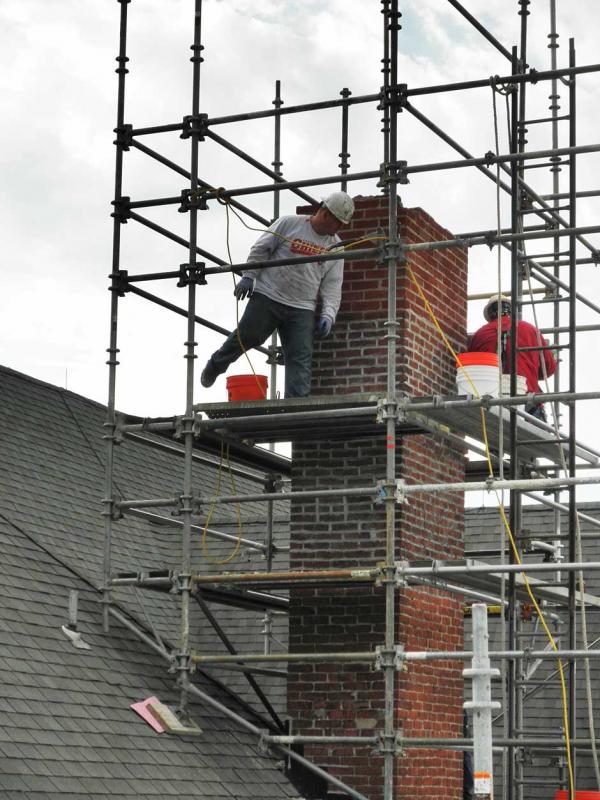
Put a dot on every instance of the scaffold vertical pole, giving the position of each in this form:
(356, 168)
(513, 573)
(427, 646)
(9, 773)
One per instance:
(512, 683)
(190, 356)
(522, 264)
(344, 154)
(269, 484)
(276, 164)
(391, 107)
(572, 716)
(482, 705)
(109, 425)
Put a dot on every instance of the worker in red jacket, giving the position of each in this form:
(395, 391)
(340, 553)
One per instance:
(534, 365)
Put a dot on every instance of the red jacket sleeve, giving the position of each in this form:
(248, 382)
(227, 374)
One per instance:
(549, 361)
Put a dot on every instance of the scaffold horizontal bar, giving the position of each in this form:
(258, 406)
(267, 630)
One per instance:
(496, 569)
(297, 109)
(340, 253)
(548, 742)
(175, 126)
(280, 187)
(434, 743)
(368, 491)
(503, 238)
(367, 741)
(296, 658)
(533, 76)
(502, 159)
(355, 575)
(369, 656)
(239, 422)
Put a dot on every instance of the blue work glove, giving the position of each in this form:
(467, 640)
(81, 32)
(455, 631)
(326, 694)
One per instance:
(323, 327)
(244, 288)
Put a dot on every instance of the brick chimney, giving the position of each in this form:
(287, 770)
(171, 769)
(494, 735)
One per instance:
(348, 699)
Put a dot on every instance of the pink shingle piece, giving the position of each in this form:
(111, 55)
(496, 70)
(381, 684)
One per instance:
(142, 709)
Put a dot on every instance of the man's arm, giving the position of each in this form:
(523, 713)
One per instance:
(549, 362)
(263, 248)
(331, 289)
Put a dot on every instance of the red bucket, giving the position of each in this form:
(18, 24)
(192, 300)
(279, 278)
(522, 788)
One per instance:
(477, 359)
(246, 387)
(563, 794)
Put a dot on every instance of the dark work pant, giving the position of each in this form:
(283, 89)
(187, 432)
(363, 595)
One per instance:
(295, 326)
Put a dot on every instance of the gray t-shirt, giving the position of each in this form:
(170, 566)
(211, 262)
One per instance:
(298, 285)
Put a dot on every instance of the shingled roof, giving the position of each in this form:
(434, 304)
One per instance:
(66, 727)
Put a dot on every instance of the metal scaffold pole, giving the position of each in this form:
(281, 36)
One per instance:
(191, 270)
(572, 673)
(392, 26)
(514, 516)
(110, 424)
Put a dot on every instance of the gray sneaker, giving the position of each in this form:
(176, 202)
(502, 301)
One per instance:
(209, 374)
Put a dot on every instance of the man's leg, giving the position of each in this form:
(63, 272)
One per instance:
(257, 323)
(296, 332)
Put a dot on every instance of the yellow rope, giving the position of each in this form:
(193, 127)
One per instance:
(513, 544)
(235, 551)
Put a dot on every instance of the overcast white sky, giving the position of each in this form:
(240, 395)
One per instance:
(59, 108)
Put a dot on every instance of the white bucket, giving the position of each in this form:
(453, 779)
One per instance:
(485, 379)
(521, 384)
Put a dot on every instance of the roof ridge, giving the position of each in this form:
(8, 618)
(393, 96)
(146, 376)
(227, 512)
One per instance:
(59, 389)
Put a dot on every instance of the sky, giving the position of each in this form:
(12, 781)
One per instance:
(59, 109)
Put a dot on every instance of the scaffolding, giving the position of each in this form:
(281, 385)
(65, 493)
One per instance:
(205, 427)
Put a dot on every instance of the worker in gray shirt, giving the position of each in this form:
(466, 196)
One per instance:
(284, 299)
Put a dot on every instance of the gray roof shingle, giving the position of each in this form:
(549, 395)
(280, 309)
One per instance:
(66, 728)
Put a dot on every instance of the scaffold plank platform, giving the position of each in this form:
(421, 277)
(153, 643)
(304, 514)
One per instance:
(489, 582)
(535, 439)
(356, 416)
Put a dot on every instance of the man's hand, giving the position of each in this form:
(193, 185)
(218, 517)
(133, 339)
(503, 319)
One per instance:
(244, 288)
(323, 327)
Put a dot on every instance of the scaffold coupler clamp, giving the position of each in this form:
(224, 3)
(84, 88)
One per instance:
(400, 574)
(187, 503)
(490, 483)
(394, 657)
(194, 198)
(486, 400)
(118, 435)
(183, 425)
(396, 95)
(264, 746)
(192, 273)
(389, 744)
(114, 509)
(124, 138)
(388, 409)
(388, 489)
(194, 125)
(182, 664)
(392, 172)
(119, 282)
(122, 208)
